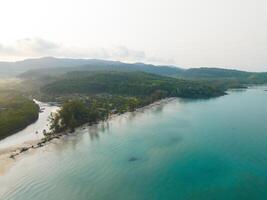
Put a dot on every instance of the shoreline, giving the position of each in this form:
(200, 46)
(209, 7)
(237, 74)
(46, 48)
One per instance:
(10, 155)
(33, 131)
(30, 146)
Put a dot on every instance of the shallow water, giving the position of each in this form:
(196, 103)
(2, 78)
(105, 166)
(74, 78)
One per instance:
(205, 149)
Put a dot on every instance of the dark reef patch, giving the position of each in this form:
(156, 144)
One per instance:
(133, 159)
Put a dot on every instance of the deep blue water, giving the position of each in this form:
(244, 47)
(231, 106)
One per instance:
(185, 149)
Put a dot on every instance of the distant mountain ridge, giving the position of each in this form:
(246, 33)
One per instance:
(242, 77)
(214, 72)
(50, 66)
(68, 64)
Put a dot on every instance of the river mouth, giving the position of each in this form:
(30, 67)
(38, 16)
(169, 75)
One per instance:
(208, 149)
(32, 132)
(26, 142)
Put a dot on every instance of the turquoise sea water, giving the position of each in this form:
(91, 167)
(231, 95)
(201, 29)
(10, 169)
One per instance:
(206, 149)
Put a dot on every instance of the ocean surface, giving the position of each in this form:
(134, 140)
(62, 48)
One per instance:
(184, 149)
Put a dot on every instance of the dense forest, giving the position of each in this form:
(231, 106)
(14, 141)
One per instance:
(93, 96)
(129, 84)
(16, 112)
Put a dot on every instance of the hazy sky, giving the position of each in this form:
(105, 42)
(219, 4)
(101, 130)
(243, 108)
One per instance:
(186, 33)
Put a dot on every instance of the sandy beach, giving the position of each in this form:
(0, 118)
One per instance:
(10, 154)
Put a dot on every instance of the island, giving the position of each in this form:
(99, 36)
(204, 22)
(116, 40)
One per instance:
(93, 90)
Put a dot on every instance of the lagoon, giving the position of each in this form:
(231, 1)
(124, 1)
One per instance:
(181, 149)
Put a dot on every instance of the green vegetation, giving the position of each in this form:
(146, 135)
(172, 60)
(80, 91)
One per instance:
(96, 95)
(227, 76)
(129, 84)
(72, 114)
(77, 112)
(16, 112)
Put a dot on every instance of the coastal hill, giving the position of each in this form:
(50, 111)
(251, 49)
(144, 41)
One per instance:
(129, 84)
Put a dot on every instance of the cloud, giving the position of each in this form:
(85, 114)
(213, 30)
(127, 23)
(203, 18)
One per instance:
(29, 47)
(124, 52)
(38, 47)
(6, 50)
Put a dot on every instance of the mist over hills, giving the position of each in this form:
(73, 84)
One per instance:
(51, 66)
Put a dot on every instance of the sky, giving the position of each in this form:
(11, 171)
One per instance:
(185, 33)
